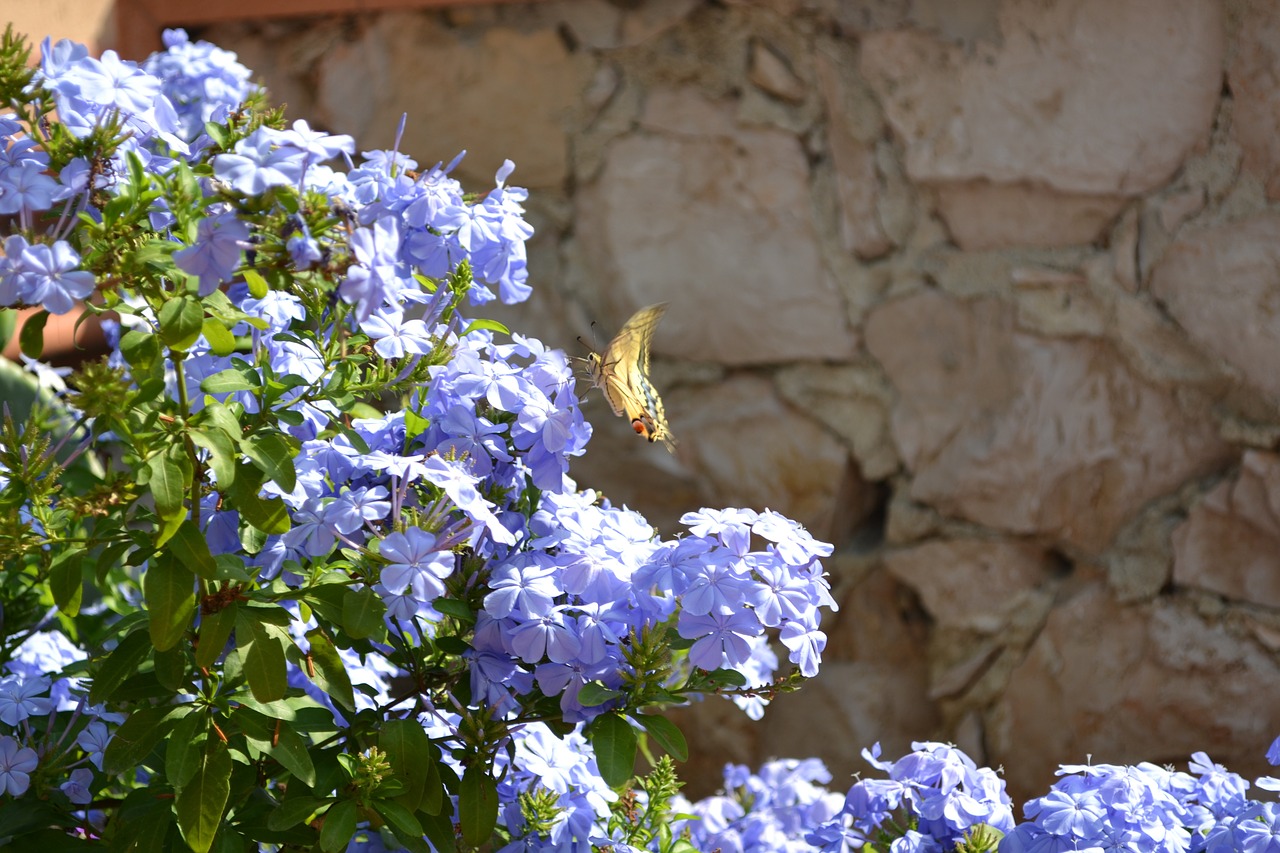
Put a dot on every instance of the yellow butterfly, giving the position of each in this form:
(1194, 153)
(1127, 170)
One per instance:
(622, 373)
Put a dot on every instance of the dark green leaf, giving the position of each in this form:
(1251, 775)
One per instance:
(169, 589)
(291, 751)
(122, 662)
(31, 337)
(477, 805)
(192, 550)
(667, 735)
(362, 612)
(339, 826)
(330, 673)
(66, 580)
(181, 321)
(725, 678)
(167, 473)
(215, 630)
(595, 693)
(136, 737)
(171, 668)
(439, 829)
(184, 748)
(614, 742)
(294, 811)
(272, 454)
(406, 827)
(455, 608)
(263, 653)
(409, 753)
(201, 801)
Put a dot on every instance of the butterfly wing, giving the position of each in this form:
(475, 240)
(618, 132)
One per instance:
(622, 373)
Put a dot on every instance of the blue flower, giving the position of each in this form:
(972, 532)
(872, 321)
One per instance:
(215, 254)
(16, 764)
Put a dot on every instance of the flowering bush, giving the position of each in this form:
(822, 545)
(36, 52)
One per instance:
(299, 564)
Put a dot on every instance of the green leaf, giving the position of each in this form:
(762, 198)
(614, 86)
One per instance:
(136, 737)
(122, 662)
(291, 751)
(595, 693)
(268, 515)
(488, 325)
(264, 661)
(667, 735)
(477, 805)
(66, 580)
(273, 455)
(181, 321)
(201, 801)
(257, 284)
(339, 826)
(294, 811)
(725, 678)
(192, 550)
(221, 341)
(31, 337)
(439, 829)
(362, 612)
(408, 751)
(231, 380)
(402, 822)
(222, 453)
(169, 589)
(166, 474)
(455, 608)
(215, 630)
(614, 742)
(184, 748)
(171, 668)
(330, 673)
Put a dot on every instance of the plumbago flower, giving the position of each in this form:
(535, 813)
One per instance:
(299, 562)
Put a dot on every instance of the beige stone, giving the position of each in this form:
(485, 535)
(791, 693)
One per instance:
(717, 220)
(851, 130)
(1054, 436)
(1083, 97)
(1115, 684)
(1222, 285)
(1254, 77)
(1057, 302)
(971, 584)
(645, 21)
(1230, 542)
(768, 70)
(853, 402)
(480, 96)
(745, 447)
(982, 215)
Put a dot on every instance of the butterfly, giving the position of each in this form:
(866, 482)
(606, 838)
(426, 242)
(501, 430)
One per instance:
(622, 373)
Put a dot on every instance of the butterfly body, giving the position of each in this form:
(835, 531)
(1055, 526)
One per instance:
(622, 373)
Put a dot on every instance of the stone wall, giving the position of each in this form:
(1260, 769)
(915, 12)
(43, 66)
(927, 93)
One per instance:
(985, 291)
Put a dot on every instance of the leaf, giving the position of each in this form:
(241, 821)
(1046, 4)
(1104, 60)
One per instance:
(183, 748)
(257, 284)
(136, 737)
(222, 453)
(294, 811)
(166, 474)
(231, 380)
(169, 589)
(215, 630)
(362, 612)
(181, 321)
(455, 608)
(667, 735)
(339, 826)
(272, 454)
(614, 742)
(406, 827)
(595, 693)
(477, 805)
(267, 514)
(171, 668)
(221, 341)
(408, 751)
(192, 550)
(487, 325)
(330, 673)
(201, 801)
(439, 829)
(291, 751)
(122, 662)
(264, 661)
(66, 580)
(31, 336)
